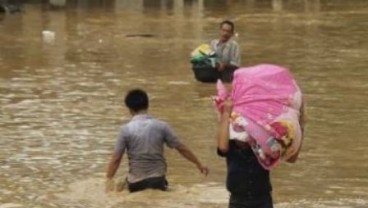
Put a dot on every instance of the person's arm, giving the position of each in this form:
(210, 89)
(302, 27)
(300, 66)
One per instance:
(188, 154)
(115, 160)
(235, 56)
(234, 63)
(223, 129)
(173, 142)
(113, 165)
(111, 170)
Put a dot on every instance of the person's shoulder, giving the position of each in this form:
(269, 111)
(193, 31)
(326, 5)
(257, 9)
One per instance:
(234, 42)
(156, 121)
(162, 123)
(127, 124)
(124, 127)
(214, 41)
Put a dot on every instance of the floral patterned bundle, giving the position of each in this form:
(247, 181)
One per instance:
(266, 111)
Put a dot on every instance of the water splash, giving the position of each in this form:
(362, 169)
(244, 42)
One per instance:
(91, 192)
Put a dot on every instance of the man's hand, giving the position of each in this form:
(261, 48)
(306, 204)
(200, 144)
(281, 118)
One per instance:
(109, 185)
(203, 169)
(188, 154)
(220, 67)
(113, 165)
(228, 106)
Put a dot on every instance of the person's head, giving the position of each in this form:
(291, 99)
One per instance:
(227, 29)
(136, 100)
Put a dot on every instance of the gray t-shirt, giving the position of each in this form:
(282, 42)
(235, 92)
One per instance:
(143, 137)
(227, 53)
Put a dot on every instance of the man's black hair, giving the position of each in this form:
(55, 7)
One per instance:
(228, 22)
(137, 100)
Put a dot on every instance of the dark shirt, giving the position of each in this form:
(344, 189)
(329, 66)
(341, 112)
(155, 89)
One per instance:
(245, 176)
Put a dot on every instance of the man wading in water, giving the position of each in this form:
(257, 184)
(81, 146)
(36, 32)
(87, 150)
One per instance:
(143, 137)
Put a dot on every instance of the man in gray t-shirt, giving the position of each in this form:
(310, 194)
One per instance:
(143, 139)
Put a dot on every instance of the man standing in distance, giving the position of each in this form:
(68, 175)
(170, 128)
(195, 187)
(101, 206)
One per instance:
(226, 48)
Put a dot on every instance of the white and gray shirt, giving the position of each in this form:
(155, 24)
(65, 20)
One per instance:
(143, 138)
(228, 52)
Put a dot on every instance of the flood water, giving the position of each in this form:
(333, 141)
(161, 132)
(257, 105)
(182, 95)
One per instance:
(62, 101)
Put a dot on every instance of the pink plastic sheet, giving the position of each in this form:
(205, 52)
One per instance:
(267, 102)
